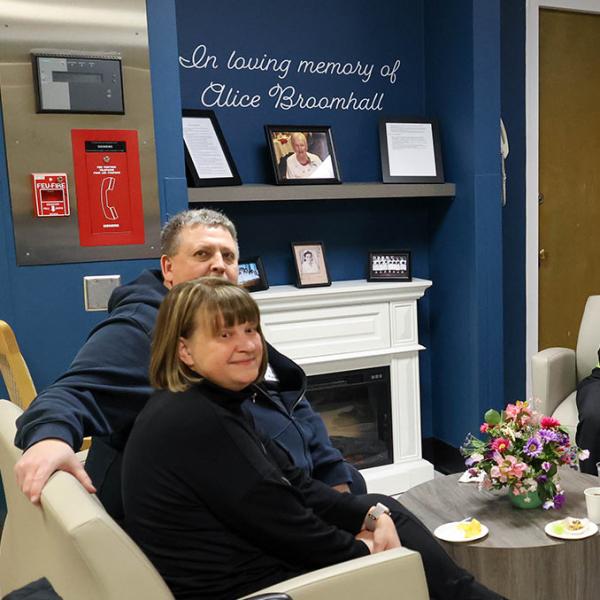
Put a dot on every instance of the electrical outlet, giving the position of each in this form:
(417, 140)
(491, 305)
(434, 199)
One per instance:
(97, 290)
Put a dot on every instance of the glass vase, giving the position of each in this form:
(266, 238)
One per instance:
(528, 500)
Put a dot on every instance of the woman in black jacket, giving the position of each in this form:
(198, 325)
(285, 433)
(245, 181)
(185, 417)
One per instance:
(219, 511)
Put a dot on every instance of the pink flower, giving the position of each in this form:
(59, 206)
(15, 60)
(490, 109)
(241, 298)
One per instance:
(507, 467)
(501, 444)
(484, 427)
(549, 422)
(514, 467)
(511, 411)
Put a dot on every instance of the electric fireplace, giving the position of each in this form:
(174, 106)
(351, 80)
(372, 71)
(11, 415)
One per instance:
(356, 408)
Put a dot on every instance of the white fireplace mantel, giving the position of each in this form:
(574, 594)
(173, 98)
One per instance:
(354, 325)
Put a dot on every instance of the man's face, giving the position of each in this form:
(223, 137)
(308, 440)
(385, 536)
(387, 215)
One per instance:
(202, 251)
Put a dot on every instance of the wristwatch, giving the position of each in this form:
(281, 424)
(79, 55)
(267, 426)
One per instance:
(374, 513)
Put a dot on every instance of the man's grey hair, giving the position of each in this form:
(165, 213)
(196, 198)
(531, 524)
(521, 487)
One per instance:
(169, 235)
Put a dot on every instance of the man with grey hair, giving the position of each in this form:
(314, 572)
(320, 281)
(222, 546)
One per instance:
(107, 383)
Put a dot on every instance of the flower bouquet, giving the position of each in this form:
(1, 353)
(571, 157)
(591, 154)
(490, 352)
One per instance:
(522, 450)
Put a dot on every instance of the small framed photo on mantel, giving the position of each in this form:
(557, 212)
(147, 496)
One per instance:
(389, 265)
(302, 154)
(311, 268)
(410, 151)
(252, 275)
(208, 160)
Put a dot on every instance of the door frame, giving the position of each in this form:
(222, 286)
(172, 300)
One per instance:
(532, 162)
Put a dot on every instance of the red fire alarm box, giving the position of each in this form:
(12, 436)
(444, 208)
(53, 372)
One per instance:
(50, 194)
(108, 184)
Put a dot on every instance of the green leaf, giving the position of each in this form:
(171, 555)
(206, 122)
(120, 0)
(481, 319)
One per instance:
(492, 417)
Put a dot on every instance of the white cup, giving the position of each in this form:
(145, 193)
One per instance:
(592, 502)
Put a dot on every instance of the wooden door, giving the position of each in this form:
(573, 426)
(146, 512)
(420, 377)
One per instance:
(569, 210)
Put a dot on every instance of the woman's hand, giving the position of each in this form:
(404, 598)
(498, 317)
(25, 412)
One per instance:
(366, 537)
(385, 535)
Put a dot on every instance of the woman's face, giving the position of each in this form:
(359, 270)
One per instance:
(231, 358)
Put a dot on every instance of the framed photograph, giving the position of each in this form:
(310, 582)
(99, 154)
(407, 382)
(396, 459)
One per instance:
(410, 151)
(302, 154)
(389, 265)
(311, 268)
(252, 275)
(208, 160)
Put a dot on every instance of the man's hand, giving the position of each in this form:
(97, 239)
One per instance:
(44, 458)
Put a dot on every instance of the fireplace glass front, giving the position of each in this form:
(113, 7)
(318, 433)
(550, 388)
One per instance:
(356, 408)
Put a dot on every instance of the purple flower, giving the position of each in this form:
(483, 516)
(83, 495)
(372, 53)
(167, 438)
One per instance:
(548, 505)
(546, 466)
(559, 500)
(548, 435)
(542, 479)
(533, 447)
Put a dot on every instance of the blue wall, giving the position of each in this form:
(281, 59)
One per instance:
(450, 69)
(513, 217)
(462, 70)
(343, 31)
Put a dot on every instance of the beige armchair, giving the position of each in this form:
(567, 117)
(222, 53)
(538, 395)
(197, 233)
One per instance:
(555, 372)
(73, 542)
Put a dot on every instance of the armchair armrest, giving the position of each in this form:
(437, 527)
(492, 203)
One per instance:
(553, 377)
(395, 574)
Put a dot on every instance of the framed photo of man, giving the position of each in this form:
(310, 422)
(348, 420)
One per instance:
(252, 274)
(389, 265)
(311, 268)
(410, 151)
(302, 154)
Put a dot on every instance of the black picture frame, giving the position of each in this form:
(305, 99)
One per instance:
(310, 264)
(319, 144)
(389, 265)
(410, 150)
(252, 274)
(202, 170)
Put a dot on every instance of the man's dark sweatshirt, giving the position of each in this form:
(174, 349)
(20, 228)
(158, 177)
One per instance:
(107, 385)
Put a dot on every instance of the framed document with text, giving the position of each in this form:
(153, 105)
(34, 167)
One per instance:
(208, 160)
(410, 151)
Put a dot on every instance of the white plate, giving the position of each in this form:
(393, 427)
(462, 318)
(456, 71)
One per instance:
(449, 532)
(587, 531)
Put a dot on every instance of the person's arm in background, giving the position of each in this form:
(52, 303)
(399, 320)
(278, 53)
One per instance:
(102, 391)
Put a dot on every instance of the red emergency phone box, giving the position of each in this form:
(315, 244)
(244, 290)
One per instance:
(108, 185)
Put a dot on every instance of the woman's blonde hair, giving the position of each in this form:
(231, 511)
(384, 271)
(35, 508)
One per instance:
(208, 302)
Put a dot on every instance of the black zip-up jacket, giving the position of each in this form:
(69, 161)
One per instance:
(220, 511)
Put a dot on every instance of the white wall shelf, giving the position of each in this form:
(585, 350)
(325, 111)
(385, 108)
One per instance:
(254, 192)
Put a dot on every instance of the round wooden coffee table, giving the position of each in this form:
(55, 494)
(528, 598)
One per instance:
(517, 558)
